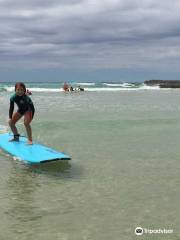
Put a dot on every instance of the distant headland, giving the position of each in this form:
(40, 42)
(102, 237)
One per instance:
(163, 83)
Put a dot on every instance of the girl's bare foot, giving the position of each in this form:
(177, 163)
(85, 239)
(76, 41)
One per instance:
(29, 142)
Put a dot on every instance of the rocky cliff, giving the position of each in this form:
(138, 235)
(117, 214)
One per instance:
(164, 83)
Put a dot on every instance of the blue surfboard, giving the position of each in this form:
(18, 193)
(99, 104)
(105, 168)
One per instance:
(32, 154)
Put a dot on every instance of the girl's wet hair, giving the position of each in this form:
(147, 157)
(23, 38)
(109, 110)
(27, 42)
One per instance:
(20, 84)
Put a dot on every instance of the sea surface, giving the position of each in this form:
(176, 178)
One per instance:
(88, 86)
(124, 141)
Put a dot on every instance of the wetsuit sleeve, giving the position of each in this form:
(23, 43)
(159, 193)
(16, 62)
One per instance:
(11, 108)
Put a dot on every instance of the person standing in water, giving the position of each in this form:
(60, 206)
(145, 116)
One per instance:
(25, 108)
(66, 87)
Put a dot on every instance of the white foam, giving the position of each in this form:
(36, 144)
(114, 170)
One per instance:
(45, 89)
(9, 89)
(144, 86)
(86, 84)
(121, 89)
(119, 84)
(17, 158)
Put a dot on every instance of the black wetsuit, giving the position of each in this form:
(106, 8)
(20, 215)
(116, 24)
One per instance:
(23, 102)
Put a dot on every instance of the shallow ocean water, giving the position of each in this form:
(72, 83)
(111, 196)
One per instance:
(124, 171)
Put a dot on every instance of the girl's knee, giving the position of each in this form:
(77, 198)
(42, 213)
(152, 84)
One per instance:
(11, 123)
(26, 123)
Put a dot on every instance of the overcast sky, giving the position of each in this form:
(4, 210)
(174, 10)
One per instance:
(115, 40)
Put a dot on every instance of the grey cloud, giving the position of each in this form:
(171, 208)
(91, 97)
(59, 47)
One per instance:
(36, 3)
(89, 33)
